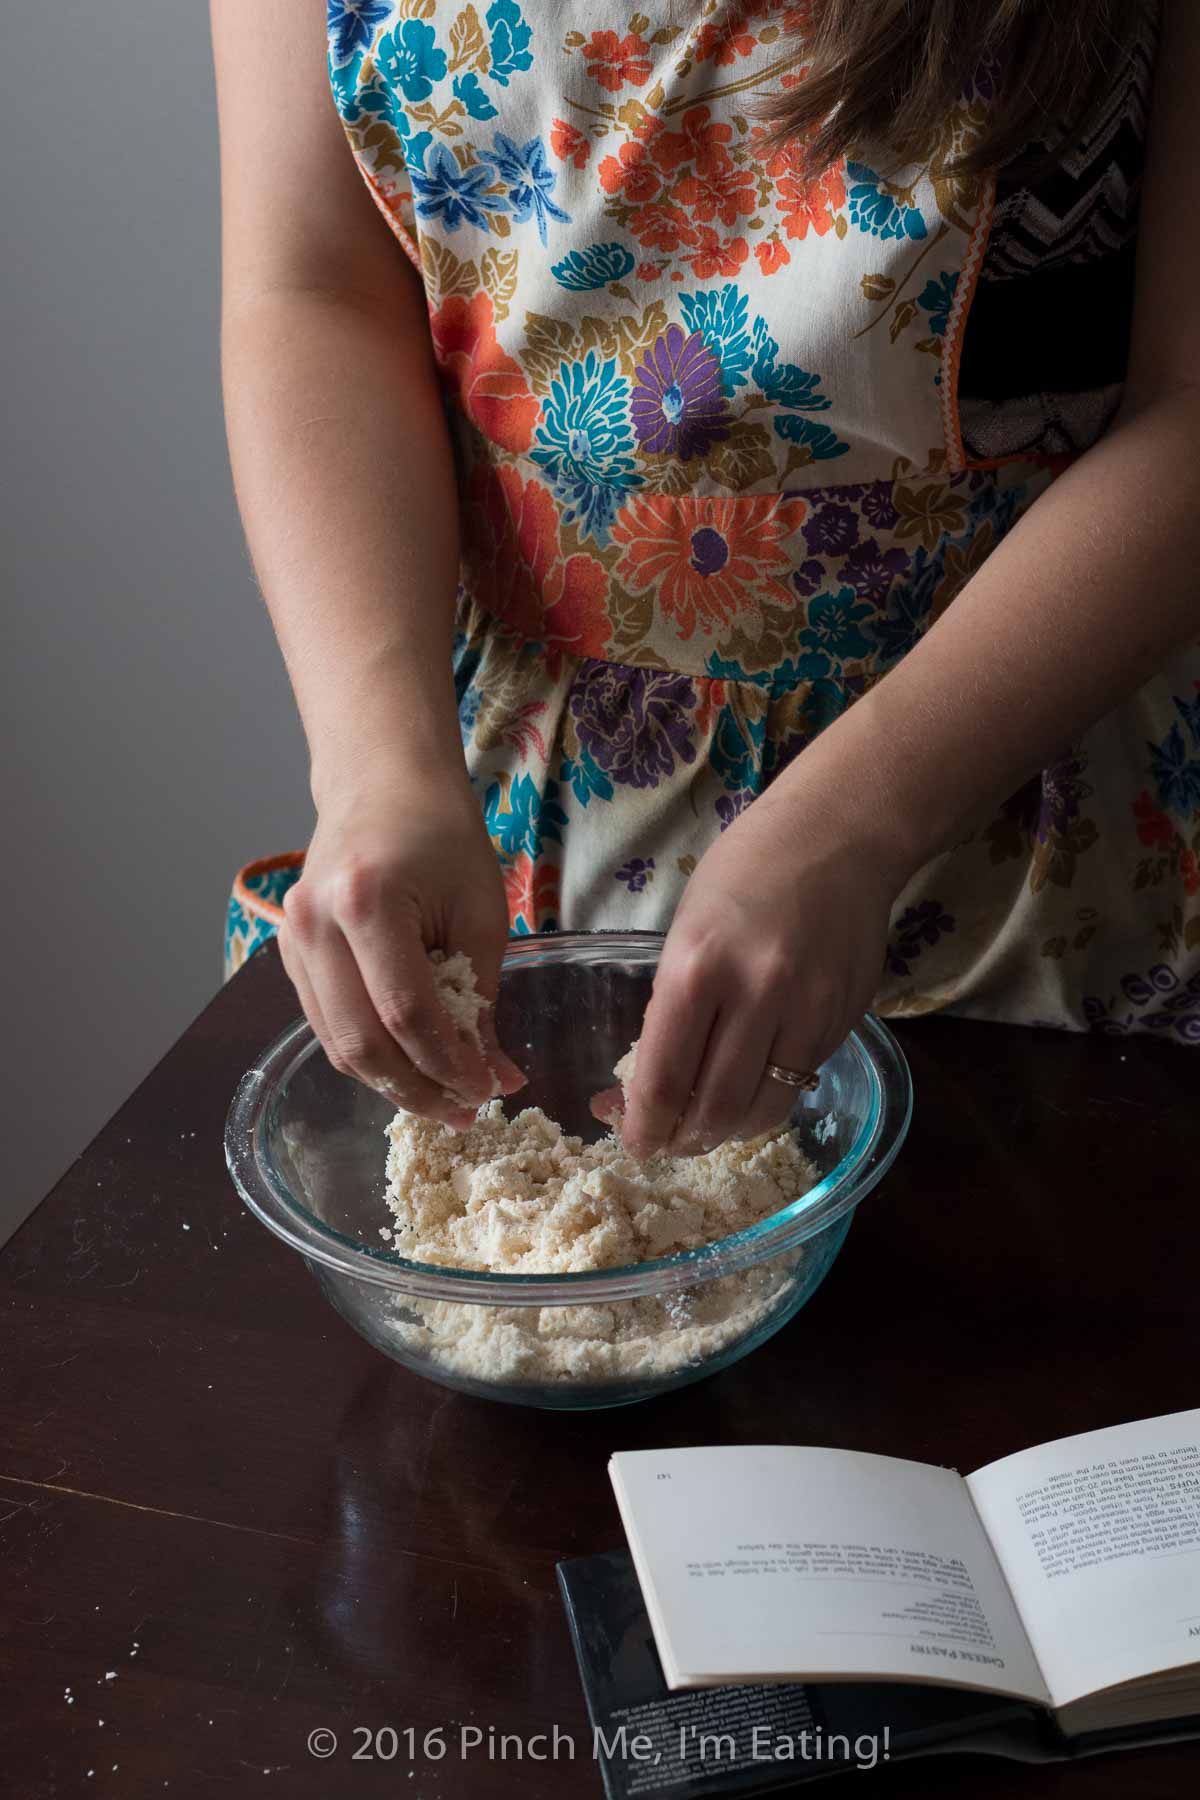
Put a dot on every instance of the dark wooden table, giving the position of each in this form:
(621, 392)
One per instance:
(227, 1522)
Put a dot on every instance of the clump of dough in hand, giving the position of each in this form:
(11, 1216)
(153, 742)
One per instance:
(454, 979)
(626, 1069)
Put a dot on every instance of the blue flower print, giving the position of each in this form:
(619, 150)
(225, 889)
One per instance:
(883, 215)
(813, 665)
(727, 668)
(936, 298)
(784, 383)
(521, 818)
(746, 352)
(509, 42)
(723, 320)
(1176, 777)
(529, 179)
(476, 102)
(820, 442)
(825, 702)
(453, 195)
(786, 677)
(354, 97)
(584, 441)
(351, 26)
(909, 604)
(237, 923)
(410, 60)
(586, 778)
(344, 82)
(468, 712)
(833, 624)
(736, 752)
(1189, 712)
(595, 267)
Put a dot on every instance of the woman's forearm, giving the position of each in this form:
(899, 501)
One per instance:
(1079, 605)
(344, 474)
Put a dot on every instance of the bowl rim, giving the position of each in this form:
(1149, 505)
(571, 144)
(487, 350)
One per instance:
(253, 1171)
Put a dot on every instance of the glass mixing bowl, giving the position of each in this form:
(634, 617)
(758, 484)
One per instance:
(306, 1150)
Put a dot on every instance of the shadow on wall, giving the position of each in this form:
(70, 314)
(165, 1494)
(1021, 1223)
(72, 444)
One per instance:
(153, 740)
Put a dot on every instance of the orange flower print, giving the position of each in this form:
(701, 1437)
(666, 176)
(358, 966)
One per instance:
(710, 700)
(531, 892)
(614, 61)
(724, 43)
(716, 258)
(649, 271)
(806, 201)
(1154, 828)
(786, 158)
(810, 203)
(631, 173)
(660, 226)
(491, 387)
(576, 622)
(511, 530)
(701, 142)
(725, 195)
(519, 575)
(568, 144)
(772, 255)
(708, 558)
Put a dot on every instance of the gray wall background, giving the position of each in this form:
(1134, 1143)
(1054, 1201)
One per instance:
(151, 743)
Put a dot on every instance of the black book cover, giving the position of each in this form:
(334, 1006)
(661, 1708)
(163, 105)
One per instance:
(750, 1739)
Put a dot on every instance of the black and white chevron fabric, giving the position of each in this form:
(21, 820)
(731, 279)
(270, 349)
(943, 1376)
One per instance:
(1047, 336)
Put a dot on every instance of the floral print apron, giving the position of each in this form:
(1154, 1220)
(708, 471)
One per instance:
(714, 486)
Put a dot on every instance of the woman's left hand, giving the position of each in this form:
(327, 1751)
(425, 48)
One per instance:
(775, 952)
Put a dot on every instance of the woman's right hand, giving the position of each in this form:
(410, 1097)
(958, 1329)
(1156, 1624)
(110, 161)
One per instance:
(396, 868)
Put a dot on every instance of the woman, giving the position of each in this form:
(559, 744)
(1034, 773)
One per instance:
(669, 379)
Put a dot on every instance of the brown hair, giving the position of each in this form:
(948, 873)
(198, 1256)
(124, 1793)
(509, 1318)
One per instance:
(887, 73)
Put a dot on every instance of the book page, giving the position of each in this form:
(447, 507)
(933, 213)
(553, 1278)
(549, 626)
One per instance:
(1099, 1536)
(760, 1562)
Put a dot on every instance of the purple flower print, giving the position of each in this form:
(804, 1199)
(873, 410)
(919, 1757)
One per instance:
(877, 506)
(1061, 791)
(916, 926)
(678, 404)
(730, 806)
(710, 551)
(782, 752)
(635, 722)
(871, 571)
(808, 578)
(1157, 1002)
(636, 874)
(832, 530)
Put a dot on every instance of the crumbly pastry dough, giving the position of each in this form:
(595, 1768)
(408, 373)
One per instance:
(519, 1196)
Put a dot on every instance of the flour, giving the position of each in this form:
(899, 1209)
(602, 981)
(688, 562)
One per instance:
(520, 1197)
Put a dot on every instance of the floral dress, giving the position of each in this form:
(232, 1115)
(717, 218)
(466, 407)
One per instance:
(729, 440)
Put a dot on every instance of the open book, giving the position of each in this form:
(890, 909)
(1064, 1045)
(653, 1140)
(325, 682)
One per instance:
(1067, 1576)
